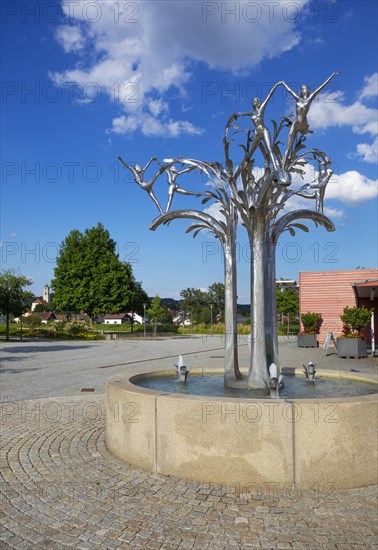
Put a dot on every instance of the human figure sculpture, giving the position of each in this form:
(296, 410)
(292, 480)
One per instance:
(138, 173)
(172, 175)
(324, 175)
(303, 103)
(262, 135)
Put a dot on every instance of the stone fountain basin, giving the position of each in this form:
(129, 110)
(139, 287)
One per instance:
(312, 443)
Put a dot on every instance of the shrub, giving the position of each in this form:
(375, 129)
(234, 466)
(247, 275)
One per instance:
(311, 322)
(32, 321)
(355, 320)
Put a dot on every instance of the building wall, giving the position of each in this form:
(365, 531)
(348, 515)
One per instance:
(328, 292)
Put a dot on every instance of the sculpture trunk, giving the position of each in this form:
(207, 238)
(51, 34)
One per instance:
(271, 333)
(231, 363)
(258, 371)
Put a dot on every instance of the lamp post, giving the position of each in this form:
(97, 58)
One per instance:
(211, 319)
(144, 321)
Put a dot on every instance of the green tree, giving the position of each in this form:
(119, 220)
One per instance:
(216, 297)
(89, 275)
(287, 302)
(44, 307)
(12, 295)
(137, 299)
(156, 312)
(193, 301)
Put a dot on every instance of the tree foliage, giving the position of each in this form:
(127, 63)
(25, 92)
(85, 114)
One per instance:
(194, 299)
(355, 319)
(287, 302)
(156, 312)
(90, 277)
(12, 296)
(44, 307)
(216, 297)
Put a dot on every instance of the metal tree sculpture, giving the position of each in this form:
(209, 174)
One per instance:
(259, 204)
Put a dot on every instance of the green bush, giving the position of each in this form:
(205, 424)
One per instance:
(355, 319)
(14, 329)
(311, 322)
(282, 329)
(32, 321)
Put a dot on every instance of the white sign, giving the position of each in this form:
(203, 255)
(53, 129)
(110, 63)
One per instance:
(329, 337)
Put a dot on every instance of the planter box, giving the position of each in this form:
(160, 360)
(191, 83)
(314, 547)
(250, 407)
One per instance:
(307, 340)
(351, 347)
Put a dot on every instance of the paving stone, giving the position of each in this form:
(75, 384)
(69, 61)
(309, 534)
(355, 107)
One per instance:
(61, 488)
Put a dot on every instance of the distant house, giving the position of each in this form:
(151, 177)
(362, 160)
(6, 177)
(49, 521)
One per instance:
(46, 299)
(80, 317)
(182, 318)
(116, 318)
(61, 317)
(37, 302)
(137, 318)
(45, 316)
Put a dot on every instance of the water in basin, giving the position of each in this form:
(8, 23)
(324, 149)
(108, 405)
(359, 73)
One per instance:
(296, 387)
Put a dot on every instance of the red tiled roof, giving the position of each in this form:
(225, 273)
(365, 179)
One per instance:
(44, 315)
(115, 316)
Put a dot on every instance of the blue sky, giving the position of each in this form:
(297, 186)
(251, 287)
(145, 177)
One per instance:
(84, 82)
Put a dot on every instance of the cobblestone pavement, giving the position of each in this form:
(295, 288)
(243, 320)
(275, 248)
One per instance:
(61, 488)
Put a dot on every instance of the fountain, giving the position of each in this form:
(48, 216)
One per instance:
(273, 439)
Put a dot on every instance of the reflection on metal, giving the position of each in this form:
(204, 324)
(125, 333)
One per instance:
(309, 371)
(260, 202)
(182, 370)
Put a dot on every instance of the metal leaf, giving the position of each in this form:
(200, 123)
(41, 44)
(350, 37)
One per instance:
(301, 226)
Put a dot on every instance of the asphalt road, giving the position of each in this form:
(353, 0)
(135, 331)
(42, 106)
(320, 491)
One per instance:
(39, 369)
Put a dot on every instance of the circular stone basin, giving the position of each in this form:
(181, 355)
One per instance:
(315, 443)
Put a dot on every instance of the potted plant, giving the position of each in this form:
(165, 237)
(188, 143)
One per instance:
(311, 322)
(352, 343)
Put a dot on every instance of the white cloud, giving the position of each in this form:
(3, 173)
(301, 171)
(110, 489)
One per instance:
(333, 213)
(368, 152)
(137, 57)
(329, 111)
(351, 188)
(371, 87)
(70, 37)
(151, 126)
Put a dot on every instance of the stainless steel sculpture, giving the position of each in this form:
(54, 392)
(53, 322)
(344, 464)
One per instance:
(181, 369)
(261, 204)
(309, 371)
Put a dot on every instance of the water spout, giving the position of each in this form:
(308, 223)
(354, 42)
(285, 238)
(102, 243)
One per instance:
(181, 369)
(276, 383)
(309, 371)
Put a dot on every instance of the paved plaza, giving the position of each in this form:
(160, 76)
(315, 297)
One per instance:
(61, 487)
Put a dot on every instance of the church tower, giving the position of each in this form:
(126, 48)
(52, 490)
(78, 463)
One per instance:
(46, 293)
